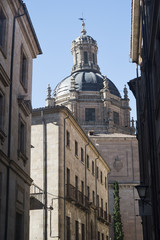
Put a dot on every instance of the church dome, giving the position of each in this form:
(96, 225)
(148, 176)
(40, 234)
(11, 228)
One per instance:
(84, 81)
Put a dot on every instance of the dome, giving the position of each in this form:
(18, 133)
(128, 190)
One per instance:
(85, 38)
(84, 81)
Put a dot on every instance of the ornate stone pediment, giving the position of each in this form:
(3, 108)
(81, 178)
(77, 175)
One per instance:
(4, 77)
(25, 105)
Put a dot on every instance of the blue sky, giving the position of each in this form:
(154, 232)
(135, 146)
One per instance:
(56, 24)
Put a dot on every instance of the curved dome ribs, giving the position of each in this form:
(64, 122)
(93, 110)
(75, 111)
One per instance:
(85, 81)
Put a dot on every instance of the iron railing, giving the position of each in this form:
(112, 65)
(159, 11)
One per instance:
(73, 194)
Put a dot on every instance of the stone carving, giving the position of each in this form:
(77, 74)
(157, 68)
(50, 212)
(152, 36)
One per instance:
(118, 165)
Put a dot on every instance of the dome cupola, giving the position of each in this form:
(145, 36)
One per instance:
(84, 51)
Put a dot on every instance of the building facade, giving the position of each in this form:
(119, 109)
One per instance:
(18, 46)
(145, 46)
(104, 115)
(74, 177)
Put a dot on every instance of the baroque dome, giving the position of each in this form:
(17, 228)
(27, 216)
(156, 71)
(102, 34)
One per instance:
(84, 81)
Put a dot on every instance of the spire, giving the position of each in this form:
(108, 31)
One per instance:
(105, 83)
(125, 92)
(83, 31)
(48, 91)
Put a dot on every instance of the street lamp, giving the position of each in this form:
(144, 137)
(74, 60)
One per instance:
(142, 190)
(145, 206)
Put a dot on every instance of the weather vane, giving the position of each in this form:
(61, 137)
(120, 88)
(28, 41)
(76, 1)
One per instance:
(83, 32)
(82, 18)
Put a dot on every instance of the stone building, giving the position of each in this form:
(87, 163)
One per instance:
(99, 108)
(18, 46)
(145, 52)
(74, 176)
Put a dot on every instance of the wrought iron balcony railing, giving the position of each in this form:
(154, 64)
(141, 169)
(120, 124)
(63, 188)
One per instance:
(73, 194)
(103, 216)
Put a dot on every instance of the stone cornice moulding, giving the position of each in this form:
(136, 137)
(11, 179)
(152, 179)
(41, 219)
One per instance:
(19, 171)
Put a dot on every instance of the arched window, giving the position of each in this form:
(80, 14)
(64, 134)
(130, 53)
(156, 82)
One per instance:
(85, 57)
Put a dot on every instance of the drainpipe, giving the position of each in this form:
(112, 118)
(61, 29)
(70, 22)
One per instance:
(44, 176)
(10, 122)
(65, 177)
(86, 186)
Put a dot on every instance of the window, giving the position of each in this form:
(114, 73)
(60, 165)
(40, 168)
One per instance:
(92, 167)
(101, 177)
(82, 158)
(107, 238)
(22, 137)
(101, 203)
(82, 191)
(68, 181)
(76, 230)
(102, 236)
(3, 22)
(19, 235)
(24, 69)
(97, 172)
(76, 148)
(1, 110)
(97, 200)
(91, 229)
(68, 176)
(93, 58)
(82, 232)
(98, 235)
(68, 139)
(87, 161)
(68, 228)
(93, 197)
(106, 207)
(105, 182)
(116, 118)
(85, 57)
(88, 192)
(76, 186)
(89, 114)
(76, 58)
(82, 187)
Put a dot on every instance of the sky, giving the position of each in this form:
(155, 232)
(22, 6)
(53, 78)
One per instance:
(56, 24)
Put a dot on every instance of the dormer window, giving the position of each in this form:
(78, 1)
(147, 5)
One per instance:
(85, 57)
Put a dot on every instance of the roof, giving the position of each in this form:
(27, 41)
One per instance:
(31, 26)
(85, 81)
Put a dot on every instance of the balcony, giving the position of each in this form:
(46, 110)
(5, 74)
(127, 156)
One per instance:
(74, 195)
(103, 216)
(36, 197)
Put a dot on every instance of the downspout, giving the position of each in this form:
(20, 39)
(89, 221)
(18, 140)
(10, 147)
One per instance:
(44, 176)
(65, 177)
(10, 123)
(96, 196)
(86, 186)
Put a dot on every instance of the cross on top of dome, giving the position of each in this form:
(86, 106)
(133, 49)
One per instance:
(83, 31)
